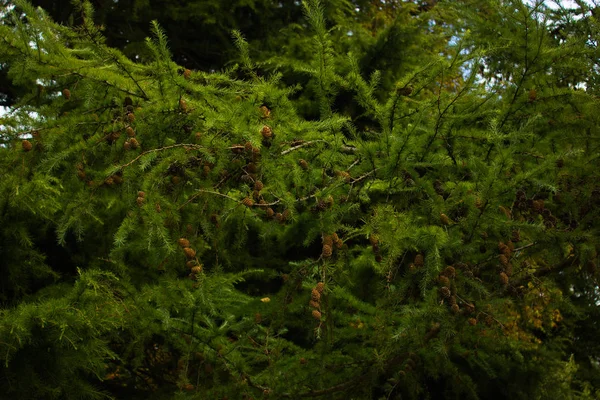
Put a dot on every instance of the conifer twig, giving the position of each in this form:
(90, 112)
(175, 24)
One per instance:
(283, 153)
(194, 146)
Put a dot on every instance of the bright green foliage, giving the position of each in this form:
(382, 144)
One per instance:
(414, 227)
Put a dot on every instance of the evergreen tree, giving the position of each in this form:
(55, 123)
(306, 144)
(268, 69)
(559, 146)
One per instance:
(410, 213)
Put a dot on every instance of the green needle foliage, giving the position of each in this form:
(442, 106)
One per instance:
(401, 210)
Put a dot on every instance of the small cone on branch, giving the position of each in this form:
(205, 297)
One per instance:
(532, 95)
(26, 145)
(130, 131)
(183, 242)
(314, 304)
(516, 236)
(315, 295)
(183, 105)
(374, 240)
(404, 91)
(503, 278)
(187, 73)
(472, 321)
(270, 212)
(189, 252)
(191, 264)
(445, 291)
(327, 251)
(130, 117)
(139, 201)
(66, 94)
(141, 194)
(265, 112)
(320, 287)
(444, 281)
(316, 315)
(266, 132)
(419, 260)
(303, 164)
(455, 308)
(444, 218)
(450, 272)
(248, 202)
(197, 269)
(478, 203)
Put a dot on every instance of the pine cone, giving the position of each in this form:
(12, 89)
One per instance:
(140, 201)
(197, 269)
(373, 239)
(141, 194)
(248, 202)
(191, 264)
(445, 291)
(314, 304)
(444, 218)
(183, 105)
(516, 236)
(315, 295)
(265, 112)
(66, 94)
(130, 131)
(328, 240)
(450, 272)
(404, 91)
(316, 315)
(26, 145)
(303, 164)
(419, 261)
(472, 321)
(183, 242)
(478, 203)
(503, 278)
(438, 187)
(327, 251)
(270, 212)
(258, 186)
(189, 252)
(130, 117)
(532, 95)
(444, 281)
(455, 308)
(503, 259)
(320, 287)
(266, 132)
(134, 143)
(187, 73)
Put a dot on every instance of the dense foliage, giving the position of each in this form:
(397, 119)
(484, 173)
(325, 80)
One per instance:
(388, 200)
